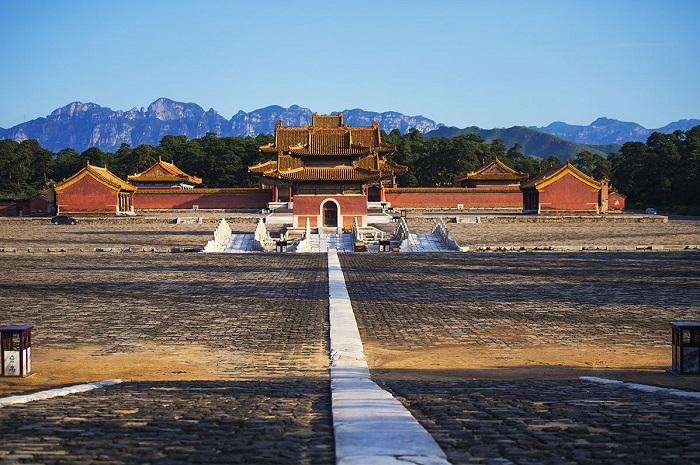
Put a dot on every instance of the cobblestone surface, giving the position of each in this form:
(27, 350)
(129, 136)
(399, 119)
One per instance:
(271, 307)
(168, 423)
(675, 232)
(90, 235)
(265, 315)
(552, 422)
(441, 299)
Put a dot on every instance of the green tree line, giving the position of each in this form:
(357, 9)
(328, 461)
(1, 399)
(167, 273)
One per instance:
(663, 172)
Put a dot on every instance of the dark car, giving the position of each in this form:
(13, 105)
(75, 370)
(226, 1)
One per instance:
(63, 219)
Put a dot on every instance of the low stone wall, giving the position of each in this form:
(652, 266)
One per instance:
(617, 218)
(125, 220)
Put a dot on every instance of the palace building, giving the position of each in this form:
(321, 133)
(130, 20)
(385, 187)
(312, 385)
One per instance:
(325, 170)
(494, 174)
(94, 190)
(563, 189)
(164, 175)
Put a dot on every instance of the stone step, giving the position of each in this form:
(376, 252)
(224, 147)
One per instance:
(426, 242)
(241, 243)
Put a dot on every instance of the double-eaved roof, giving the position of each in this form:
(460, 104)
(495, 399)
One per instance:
(101, 175)
(328, 135)
(162, 171)
(358, 152)
(554, 174)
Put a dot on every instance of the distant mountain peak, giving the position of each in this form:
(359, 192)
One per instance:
(68, 127)
(74, 108)
(166, 109)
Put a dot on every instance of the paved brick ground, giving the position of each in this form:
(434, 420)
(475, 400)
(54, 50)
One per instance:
(413, 302)
(493, 299)
(275, 407)
(272, 307)
(90, 235)
(675, 232)
(256, 422)
(552, 422)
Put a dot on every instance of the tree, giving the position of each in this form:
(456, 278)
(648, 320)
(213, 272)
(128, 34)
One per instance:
(593, 164)
(549, 163)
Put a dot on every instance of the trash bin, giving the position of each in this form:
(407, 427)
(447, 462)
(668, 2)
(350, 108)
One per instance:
(16, 350)
(685, 342)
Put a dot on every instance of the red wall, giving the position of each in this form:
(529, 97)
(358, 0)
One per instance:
(87, 196)
(309, 206)
(616, 197)
(205, 198)
(568, 194)
(8, 208)
(451, 197)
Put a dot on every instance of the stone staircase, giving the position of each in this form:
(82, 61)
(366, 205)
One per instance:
(326, 242)
(426, 242)
(241, 243)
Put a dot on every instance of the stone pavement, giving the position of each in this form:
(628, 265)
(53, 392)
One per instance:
(267, 315)
(275, 405)
(270, 308)
(169, 423)
(675, 232)
(433, 300)
(553, 422)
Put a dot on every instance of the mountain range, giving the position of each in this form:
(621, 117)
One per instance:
(611, 131)
(532, 142)
(81, 125)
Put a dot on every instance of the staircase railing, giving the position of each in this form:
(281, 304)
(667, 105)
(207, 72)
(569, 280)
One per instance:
(402, 234)
(222, 237)
(304, 244)
(441, 231)
(356, 233)
(263, 241)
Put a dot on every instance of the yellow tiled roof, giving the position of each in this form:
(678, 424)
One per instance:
(495, 170)
(101, 175)
(548, 177)
(164, 171)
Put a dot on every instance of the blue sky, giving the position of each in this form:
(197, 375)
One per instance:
(485, 63)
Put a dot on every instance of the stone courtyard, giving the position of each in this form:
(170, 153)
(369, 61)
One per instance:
(225, 357)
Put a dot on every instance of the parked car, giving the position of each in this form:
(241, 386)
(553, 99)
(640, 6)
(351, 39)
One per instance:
(64, 219)
(650, 211)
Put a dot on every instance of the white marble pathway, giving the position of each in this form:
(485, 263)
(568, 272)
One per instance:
(326, 242)
(426, 242)
(370, 426)
(241, 243)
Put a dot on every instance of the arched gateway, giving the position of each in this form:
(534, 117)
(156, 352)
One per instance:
(330, 214)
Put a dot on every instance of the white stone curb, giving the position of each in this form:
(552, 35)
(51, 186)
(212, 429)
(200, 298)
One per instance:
(370, 426)
(643, 387)
(58, 392)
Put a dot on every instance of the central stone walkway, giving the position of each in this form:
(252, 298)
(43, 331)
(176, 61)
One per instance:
(370, 426)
